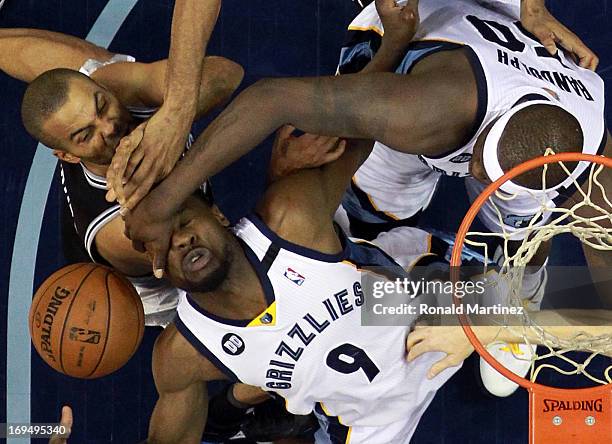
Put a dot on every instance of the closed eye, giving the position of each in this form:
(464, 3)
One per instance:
(87, 136)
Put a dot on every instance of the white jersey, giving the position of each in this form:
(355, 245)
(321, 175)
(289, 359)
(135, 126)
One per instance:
(309, 345)
(510, 65)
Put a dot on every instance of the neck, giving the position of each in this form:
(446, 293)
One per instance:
(98, 170)
(240, 296)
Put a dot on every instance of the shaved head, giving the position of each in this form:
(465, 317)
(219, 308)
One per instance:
(43, 98)
(530, 132)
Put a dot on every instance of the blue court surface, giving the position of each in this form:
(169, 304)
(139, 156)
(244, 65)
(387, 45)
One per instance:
(268, 38)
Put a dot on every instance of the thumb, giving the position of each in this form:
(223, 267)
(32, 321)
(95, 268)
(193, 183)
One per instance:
(547, 39)
(285, 131)
(441, 365)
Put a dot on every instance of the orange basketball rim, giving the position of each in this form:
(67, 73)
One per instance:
(556, 415)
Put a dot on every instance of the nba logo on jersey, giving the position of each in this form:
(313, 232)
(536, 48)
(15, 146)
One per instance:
(294, 276)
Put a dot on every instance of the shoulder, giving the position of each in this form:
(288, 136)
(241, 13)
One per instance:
(288, 206)
(128, 80)
(177, 364)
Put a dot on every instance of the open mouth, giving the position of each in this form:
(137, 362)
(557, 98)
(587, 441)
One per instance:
(196, 260)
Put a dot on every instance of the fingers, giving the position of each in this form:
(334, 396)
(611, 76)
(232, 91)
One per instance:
(585, 57)
(135, 192)
(385, 5)
(285, 131)
(67, 418)
(65, 421)
(117, 169)
(415, 337)
(159, 250)
(134, 162)
(139, 185)
(442, 364)
(547, 39)
(411, 9)
(335, 153)
(120, 163)
(114, 176)
(110, 195)
(417, 350)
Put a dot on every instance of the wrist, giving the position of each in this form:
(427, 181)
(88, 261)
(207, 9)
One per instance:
(393, 45)
(485, 334)
(177, 108)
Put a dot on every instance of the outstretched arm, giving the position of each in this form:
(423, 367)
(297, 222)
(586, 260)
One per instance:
(163, 138)
(564, 324)
(27, 53)
(401, 111)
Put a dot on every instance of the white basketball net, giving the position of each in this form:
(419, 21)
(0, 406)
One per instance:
(593, 230)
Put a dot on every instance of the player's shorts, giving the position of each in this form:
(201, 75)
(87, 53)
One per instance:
(390, 186)
(331, 432)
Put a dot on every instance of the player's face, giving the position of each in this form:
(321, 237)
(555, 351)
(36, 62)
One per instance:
(200, 252)
(90, 124)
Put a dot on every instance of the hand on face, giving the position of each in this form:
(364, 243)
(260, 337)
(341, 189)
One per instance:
(150, 230)
(144, 157)
(536, 19)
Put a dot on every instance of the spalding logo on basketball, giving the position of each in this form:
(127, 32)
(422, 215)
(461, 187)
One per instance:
(86, 320)
(232, 344)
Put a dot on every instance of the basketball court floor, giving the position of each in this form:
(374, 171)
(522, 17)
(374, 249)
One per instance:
(268, 38)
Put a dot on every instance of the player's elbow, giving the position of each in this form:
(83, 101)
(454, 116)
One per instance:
(229, 74)
(235, 74)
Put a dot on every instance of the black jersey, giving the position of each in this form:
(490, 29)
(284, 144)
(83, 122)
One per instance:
(85, 194)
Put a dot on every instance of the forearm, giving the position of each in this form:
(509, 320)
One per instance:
(386, 58)
(327, 106)
(564, 324)
(27, 53)
(192, 25)
(179, 418)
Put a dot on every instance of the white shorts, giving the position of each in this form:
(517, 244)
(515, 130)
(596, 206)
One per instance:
(390, 186)
(395, 433)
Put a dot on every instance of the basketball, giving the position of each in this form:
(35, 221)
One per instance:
(86, 320)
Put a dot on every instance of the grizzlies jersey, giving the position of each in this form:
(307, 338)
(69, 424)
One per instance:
(309, 345)
(509, 64)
